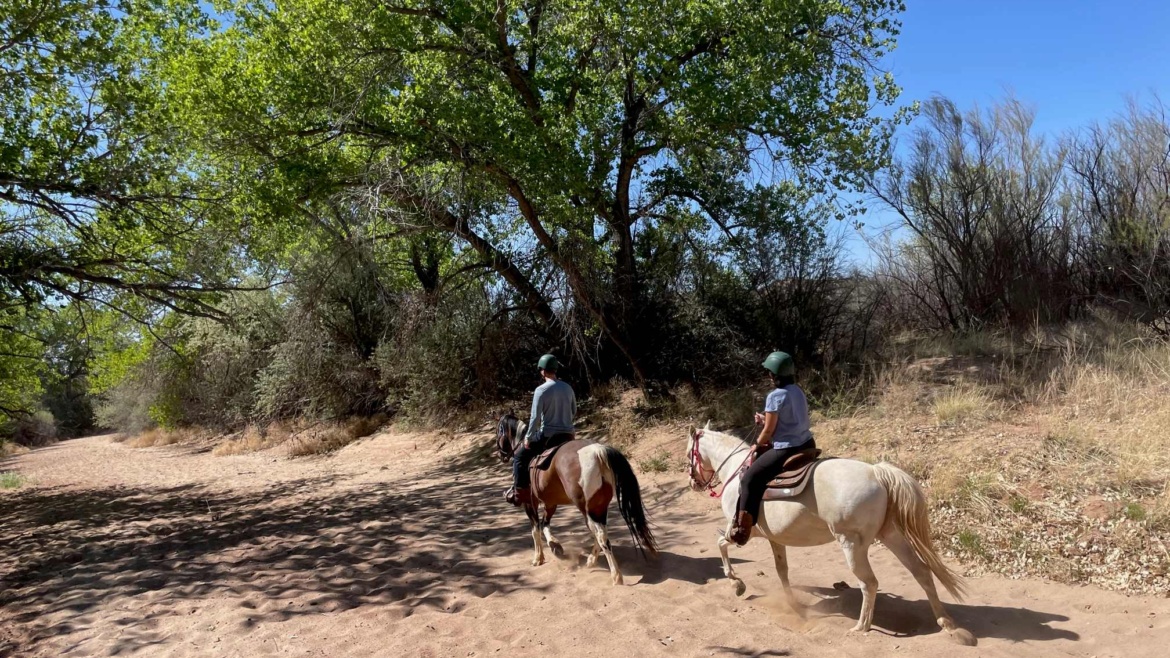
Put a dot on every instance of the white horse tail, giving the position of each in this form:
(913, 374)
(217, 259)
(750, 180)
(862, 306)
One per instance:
(907, 510)
(604, 464)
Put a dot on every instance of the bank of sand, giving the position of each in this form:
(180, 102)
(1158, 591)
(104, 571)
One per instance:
(400, 545)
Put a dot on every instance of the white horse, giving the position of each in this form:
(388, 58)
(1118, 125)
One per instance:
(848, 501)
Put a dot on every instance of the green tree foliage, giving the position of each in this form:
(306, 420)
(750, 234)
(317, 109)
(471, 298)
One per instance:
(450, 184)
(101, 194)
(572, 129)
(20, 368)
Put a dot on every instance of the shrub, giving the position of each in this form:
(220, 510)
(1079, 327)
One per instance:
(659, 463)
(11, 480)
(36, 429)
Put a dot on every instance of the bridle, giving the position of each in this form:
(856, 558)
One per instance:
(505, 436)
(696, 467)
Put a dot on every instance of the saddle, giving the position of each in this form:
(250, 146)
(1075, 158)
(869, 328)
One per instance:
(797, 473)
(542, 461)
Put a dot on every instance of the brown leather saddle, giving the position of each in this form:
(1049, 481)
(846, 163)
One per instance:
(797, 473)
(544, 459)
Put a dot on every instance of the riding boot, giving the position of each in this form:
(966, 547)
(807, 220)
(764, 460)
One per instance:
(518, 497)
(741, 530)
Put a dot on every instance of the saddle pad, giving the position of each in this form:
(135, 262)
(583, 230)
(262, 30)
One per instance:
(796, 476)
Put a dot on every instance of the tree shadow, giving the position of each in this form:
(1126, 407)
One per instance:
(295, 548)
(913, 617)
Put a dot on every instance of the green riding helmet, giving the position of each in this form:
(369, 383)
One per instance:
(780, 364)
(548, 362)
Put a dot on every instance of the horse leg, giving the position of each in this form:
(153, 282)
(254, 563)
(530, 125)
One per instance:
(591, 561)
(780, 555)
(553, 544)
(724, 542)
(896, 542)
(601, 536)
(857, 556)
(538, 554)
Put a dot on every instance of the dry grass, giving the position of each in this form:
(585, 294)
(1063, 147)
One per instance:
(160, 437)
(253, 439)
(964, 404)
(1046, 454)
(327, 438)
(622, 420)
(11, 449)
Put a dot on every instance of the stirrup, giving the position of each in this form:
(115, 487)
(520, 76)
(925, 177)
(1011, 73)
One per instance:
(517, 497)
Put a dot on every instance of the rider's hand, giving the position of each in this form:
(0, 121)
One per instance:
(527, 444)
(759, 418)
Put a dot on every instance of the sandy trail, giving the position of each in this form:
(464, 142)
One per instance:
(400, 545)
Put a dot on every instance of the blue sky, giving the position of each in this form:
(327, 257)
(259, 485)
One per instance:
(1075, 62)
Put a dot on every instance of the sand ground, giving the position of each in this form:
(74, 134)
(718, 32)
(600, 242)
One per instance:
(400, 545)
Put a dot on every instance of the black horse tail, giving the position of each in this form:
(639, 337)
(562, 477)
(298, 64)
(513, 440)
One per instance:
(629, 499)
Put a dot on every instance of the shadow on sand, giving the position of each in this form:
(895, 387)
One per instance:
(310, 546)
(898, 616)
(296, 548)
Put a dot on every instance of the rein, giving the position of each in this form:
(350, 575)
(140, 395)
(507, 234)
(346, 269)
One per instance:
(697, 467)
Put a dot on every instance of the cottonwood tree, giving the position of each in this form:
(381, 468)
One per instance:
(575, 126)
(99, 193)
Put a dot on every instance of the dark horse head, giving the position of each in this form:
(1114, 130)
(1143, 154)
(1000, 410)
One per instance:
(509, 434)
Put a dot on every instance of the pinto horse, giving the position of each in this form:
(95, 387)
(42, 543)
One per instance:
(849, 502)
(588, 476)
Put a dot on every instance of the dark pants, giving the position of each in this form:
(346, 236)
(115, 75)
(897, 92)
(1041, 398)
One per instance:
(756, 479)
(520, 473)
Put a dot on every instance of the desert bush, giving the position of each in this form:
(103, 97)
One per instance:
(312, 376)
(459, 352)
(990, 244)
(1120, 186)
(1008, 229)
(34, 429)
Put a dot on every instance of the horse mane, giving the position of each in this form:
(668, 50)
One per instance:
(727, 437)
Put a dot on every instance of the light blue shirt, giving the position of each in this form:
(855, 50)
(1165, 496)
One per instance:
(554, 405)
(792, 422)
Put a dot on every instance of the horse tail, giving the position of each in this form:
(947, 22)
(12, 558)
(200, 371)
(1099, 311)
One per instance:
(907, 511)
(616, 472)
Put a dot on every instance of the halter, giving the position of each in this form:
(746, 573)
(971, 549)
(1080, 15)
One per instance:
(696, 464)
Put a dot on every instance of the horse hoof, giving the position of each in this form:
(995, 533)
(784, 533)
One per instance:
(963, 637)
(740, 588)
(618, 581)
(590, 562)
(558, 551)
(536, 562)
(859, 628)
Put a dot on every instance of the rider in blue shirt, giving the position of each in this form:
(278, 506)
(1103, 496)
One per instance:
(785, 433)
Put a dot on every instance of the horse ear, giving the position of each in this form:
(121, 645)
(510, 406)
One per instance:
(708, 426)
(691, 429)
